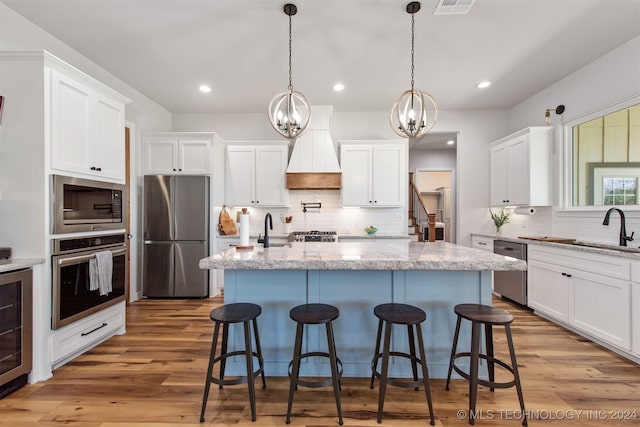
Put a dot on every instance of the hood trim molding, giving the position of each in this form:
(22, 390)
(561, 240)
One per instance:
(314, 180)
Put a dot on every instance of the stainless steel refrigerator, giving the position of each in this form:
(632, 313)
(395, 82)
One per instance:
(176, 236)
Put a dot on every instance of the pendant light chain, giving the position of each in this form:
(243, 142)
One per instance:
(290, 60)
(412, 46)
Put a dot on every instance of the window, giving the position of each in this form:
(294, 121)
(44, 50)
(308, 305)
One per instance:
(620, 190)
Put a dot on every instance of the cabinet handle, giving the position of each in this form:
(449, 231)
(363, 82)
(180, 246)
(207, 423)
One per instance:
(99, 169)
(84, 334)
(564, 274)
(568, 275)
(482, 243)
(93, 168)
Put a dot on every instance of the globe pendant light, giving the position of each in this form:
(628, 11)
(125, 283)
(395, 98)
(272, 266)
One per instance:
(289, 111)
(415, 112)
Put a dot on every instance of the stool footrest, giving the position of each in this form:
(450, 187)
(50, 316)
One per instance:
(396, 381)
(315, 383)
(235, 380)
(491, 384)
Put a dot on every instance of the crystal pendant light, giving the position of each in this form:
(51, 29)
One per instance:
(289, 111)
(415, 112)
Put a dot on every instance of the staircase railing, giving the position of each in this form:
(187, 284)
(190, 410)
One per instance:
(418, 206)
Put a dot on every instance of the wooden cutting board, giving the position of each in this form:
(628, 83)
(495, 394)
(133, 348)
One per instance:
(548, 239)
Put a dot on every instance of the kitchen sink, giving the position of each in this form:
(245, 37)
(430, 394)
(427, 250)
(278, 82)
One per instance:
(605, 246)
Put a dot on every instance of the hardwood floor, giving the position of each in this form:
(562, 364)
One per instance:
(154, 376)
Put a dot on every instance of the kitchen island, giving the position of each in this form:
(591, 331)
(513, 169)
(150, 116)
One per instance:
(355, 277)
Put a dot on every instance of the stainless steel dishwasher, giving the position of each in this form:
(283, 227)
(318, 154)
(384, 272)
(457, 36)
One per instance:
(511, 284)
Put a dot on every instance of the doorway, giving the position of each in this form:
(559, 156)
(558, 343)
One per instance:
(437, 188)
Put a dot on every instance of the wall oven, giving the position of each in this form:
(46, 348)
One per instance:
(73, 297)
(81, 205)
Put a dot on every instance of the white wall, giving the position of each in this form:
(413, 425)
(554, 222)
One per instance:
(607, 80)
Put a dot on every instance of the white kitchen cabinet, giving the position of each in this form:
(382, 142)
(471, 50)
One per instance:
(548, 289)
(590, 292)
(521, 168)
(635, 307)
(373, 174)
(482, 242)
(87, 128)
(256, 175)
(173, 153)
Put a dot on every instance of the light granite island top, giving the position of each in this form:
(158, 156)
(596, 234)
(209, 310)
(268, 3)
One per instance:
(375, 255)
(355, 277)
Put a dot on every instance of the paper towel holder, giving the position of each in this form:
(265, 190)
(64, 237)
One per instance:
(240, 248)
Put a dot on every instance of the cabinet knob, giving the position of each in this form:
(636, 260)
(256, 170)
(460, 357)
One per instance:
(174, 169)
(375, 201)
(257, 201)
(99, 169)
(370, 201)
(179, 170)
(93, 168)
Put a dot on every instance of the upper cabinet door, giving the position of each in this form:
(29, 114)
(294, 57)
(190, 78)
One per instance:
(240, 176)
(270, 175)
(518, 175)
(499, 168)
(194, 156)
(72, 134)
(109, 149)
(356, 163)
(160, 155)
(389, 175)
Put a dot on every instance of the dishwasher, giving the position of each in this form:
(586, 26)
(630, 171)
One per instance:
(511, 284)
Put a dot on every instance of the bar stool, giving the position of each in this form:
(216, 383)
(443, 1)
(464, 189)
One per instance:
(314, 314)
(400, 314)
(226, 315)
(480, 314)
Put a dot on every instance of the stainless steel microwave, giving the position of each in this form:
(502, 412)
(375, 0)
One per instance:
(81, 205)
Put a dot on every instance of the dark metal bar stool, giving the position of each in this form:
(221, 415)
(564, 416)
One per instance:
(314, 314)
(488, 316)
(226, 315)
(400, 314)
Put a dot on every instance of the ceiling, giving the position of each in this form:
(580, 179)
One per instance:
(167, 48)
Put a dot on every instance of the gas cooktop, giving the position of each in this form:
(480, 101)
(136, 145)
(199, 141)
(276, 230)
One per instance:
(313, 236)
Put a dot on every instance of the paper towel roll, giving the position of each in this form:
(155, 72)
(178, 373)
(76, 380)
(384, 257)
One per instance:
(244, 229)
(525, 211)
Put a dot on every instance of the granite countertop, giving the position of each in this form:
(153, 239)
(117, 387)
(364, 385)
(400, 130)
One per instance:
(374, 255)
(19, 263)
(632, 252)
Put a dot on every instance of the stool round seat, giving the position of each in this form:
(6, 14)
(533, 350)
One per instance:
(484, 314)
(314, 314)
(401, 314)
(235, 313)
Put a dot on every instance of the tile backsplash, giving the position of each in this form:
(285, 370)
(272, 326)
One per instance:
(580, 226)
(330, 217)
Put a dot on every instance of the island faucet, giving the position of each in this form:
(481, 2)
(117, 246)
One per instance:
(269, 220)
(623, 229)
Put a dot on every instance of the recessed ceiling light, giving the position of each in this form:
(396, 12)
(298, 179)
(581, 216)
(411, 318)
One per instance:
(204, 89)
(450, 142)
(338, 87)
(482, 85)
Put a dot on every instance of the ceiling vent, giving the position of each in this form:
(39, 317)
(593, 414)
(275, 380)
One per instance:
(453, 7)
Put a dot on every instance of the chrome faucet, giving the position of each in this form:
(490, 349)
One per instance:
(623, 229)
(267, 218)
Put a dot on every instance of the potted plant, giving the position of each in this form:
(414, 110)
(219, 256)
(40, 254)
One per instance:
(500, 218)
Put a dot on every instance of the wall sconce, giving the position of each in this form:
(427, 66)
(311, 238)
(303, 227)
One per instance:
(547, 115)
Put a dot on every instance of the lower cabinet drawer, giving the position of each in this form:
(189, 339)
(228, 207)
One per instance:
(481, 242)
(83, 333)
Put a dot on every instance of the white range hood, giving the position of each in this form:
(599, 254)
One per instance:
(314, 163)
